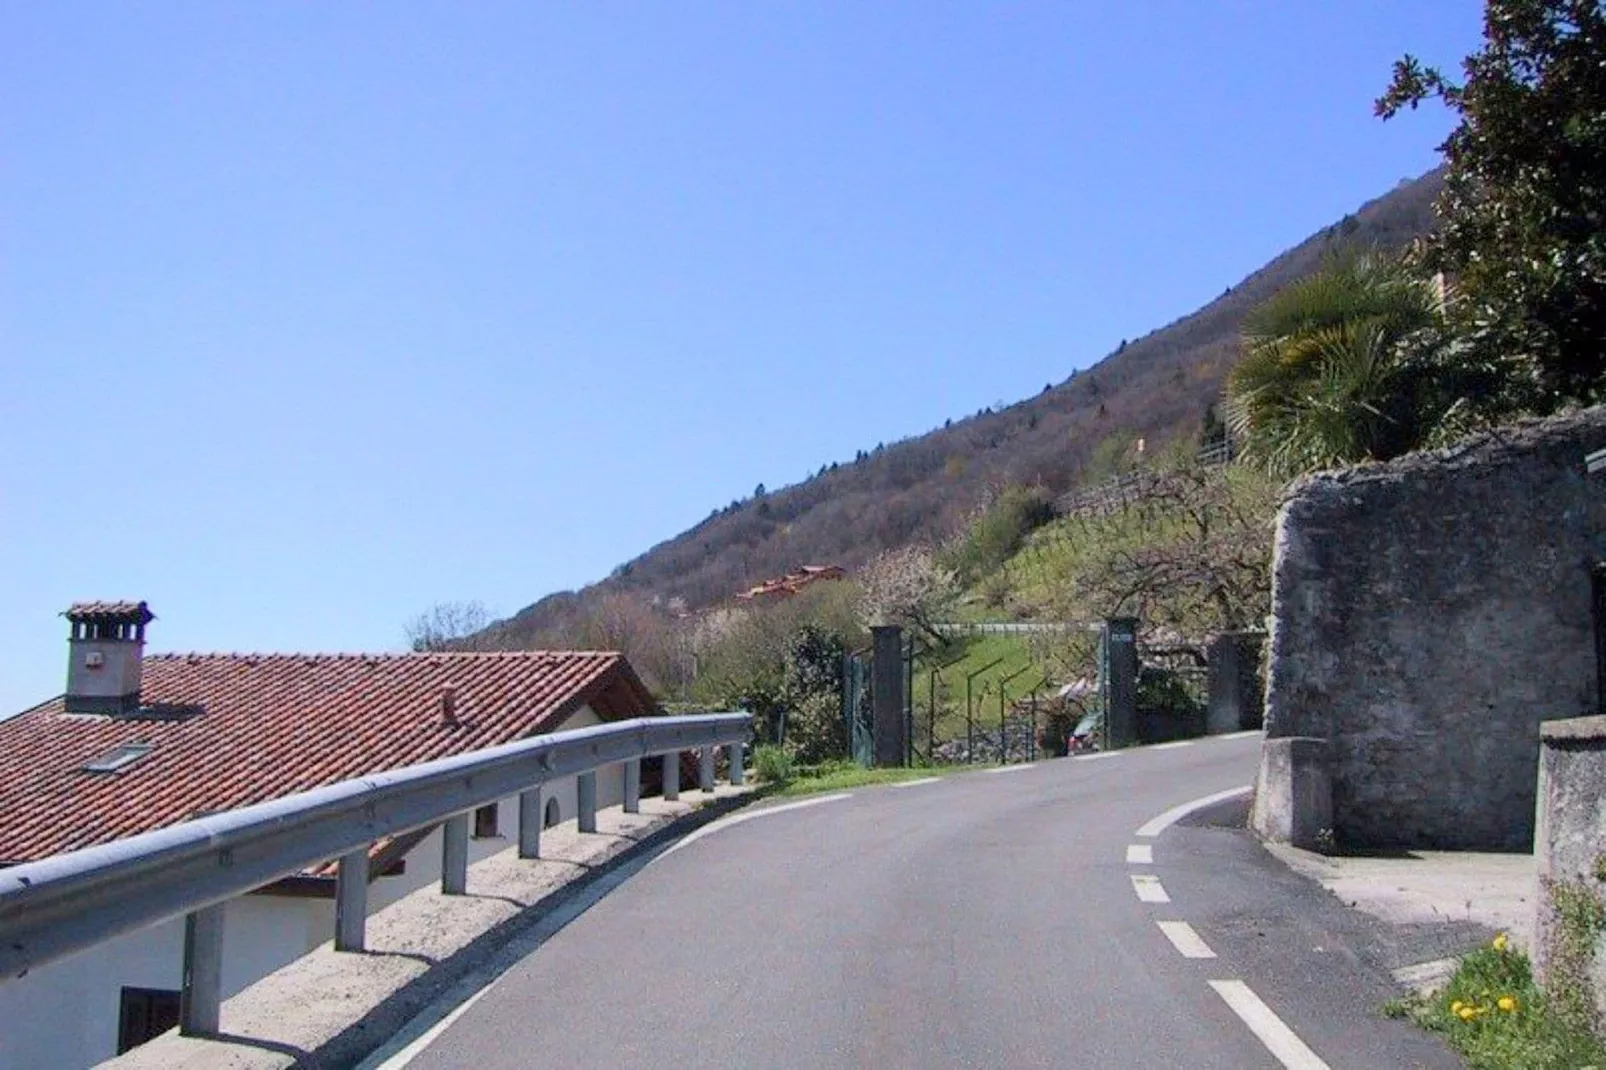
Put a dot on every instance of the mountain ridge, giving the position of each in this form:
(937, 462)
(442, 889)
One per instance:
(1157, 387)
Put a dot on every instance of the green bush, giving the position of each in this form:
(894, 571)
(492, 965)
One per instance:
(999, 531)
(772, 764)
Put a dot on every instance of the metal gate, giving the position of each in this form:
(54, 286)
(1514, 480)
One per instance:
(857, 709)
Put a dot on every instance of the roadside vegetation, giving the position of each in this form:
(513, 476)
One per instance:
(1494, 1013)
(777, 774)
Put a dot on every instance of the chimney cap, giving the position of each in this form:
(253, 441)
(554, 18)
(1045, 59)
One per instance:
(110, 613)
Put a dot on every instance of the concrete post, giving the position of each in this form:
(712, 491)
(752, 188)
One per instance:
(1294, 792)
(633, 786)
(890, 744)
(738, 769)
(672, 775)
(585, 791)
(530, 818)
(454, 855)
(1236, 700)
(1118, 681)
(351, 901)
(201, 993)
(1569, 952)
(705, 768)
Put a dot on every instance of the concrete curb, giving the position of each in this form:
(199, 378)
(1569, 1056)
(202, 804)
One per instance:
(329, 1010)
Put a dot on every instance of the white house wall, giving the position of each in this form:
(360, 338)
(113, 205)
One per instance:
(66, 1015)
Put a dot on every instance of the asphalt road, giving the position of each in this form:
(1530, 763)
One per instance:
(984, 920)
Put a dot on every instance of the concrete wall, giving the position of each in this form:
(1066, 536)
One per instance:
(65, 1015)
(1570, 856)
(1427, 615)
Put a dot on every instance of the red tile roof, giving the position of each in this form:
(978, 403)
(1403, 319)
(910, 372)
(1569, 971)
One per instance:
(793, 582)
(110, 611)
(273, 725)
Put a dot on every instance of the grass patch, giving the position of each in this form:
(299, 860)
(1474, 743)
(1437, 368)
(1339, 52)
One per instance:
(1494, 1013)
(839, 776)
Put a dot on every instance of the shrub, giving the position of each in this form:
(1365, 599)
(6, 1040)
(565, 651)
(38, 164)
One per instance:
(772, 764)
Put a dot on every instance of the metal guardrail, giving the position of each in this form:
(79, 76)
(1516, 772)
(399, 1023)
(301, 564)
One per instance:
(70, 902)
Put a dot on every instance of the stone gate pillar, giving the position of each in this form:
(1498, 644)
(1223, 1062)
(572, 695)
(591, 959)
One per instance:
(1236, 699)
(886, 694)
(1118, 681)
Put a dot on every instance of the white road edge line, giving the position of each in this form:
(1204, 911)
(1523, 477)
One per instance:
(917, 783)
(1097, 756)
(1149, 889)
(1245, 734)
(1189, 944)
(1280, 1040)
(413, 1050)
(751, 815)
(1140, 854)
(1177, 813)
(1173, 745)
(1012, 768)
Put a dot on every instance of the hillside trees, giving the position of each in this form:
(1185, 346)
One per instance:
(1522, 217)
(907, 586)
(451, 626)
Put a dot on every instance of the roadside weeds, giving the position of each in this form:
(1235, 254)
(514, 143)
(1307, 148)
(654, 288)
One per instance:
(1493, 1012)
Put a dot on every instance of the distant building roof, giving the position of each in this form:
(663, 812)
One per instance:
(793, 582)
(219, 731)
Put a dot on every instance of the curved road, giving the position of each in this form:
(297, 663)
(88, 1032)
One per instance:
(987, 919)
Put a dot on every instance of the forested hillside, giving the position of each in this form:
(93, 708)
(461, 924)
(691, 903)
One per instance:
(1158, 387)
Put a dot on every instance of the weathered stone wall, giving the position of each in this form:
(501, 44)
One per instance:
(1427, 615)
(1570, 852)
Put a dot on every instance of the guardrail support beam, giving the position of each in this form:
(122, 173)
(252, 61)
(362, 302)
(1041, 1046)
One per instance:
(672, 775)
(201, 995)
(705, 770)
(454, 855)
(530, 823)
(585, 791)
(738, 769)
(351, 901)
(633, 786)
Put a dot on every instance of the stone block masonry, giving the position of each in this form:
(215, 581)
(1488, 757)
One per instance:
(1427, 615)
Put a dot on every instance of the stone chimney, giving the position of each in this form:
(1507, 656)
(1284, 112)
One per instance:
(106, 648)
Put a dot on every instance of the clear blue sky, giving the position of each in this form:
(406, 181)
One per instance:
(312, 315)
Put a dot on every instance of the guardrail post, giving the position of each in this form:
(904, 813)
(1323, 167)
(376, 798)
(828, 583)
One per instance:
(705, 771)
(738, 769)
(672, 775)
(633, 786)
(201, 994)
(454, 855)
(530, 823)
(351, 901)
(585, 790)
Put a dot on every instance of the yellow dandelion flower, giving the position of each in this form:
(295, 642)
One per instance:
(1455, 1006)
(1466, 1014)
(1508, 1004)
(1499, 942)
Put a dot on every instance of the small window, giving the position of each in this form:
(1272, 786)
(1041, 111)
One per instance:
(145, 1014)
(119, 759)
(485, 822)
(554, 813)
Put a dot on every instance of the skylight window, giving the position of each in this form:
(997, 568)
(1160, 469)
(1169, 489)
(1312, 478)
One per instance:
(120, 759)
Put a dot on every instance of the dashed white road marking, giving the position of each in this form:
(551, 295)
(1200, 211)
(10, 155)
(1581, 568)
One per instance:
(1280, 1040)
(1187, 942)
(1177, 813)
(917, 783)
(1140, 854)
(1149, 889)
(1012, 768)
(752, 815)
(1173, 744)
